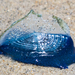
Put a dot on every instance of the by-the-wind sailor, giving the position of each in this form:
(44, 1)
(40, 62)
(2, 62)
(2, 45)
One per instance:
(34, 40)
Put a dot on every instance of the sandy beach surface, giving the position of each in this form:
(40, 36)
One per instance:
(12, 10)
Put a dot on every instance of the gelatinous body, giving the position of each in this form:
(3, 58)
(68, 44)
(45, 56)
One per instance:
(44, 49)
(39, 48)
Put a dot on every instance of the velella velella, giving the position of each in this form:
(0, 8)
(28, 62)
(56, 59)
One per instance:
(34, 40)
